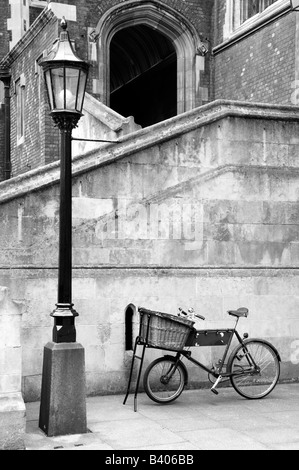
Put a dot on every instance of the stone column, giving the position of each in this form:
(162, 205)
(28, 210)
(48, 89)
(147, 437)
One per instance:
(12, 407)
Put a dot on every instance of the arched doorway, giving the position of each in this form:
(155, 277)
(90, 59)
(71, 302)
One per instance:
(143, 75)
(158, 27)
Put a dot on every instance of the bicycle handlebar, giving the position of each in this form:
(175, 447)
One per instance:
(200, 316)
(195, 314)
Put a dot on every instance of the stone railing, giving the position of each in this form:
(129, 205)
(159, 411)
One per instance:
(99, 122)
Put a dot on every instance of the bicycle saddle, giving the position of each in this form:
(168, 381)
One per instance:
(241, 312)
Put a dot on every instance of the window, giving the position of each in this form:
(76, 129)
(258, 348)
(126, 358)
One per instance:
(245, 9)
(20, 104)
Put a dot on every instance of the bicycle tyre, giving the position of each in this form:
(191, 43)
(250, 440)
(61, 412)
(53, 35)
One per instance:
(254, 385)
(156, 387)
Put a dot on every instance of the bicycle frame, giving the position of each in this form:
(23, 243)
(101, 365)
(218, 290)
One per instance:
(218, 338)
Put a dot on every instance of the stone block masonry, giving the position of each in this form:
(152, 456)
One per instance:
(201, 211)
(12, 408)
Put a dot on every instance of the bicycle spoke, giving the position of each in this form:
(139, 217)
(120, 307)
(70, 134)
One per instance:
(262, 375)
(164, 380)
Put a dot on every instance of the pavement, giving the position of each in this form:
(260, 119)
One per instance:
(197, 420)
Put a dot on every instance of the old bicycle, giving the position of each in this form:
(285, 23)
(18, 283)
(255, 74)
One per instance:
(253, 366)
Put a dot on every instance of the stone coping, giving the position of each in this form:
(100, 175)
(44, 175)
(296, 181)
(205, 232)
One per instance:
(104, 114)
(221, 270)
(129, 144)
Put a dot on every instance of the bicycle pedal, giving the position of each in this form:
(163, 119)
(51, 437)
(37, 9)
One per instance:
(213, 389)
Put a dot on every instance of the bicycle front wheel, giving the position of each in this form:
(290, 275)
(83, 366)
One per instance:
(164, 380)
(255, 369)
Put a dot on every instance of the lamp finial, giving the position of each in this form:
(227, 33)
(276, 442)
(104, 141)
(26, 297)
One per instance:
(63, 23)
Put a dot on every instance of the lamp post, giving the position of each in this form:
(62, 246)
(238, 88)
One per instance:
(63, 397)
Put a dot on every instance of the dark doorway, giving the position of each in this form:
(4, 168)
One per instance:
(143, 75)
(129, 328)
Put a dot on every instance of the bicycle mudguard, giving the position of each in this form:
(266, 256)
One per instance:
(266, 342)
(172, 358)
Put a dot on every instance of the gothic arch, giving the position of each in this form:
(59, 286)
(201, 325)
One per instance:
(168, 22)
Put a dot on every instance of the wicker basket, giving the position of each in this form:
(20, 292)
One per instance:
(165, 331)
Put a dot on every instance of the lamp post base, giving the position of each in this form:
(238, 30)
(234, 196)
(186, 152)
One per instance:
(63, 393)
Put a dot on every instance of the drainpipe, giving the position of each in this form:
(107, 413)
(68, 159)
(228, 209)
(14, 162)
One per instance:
(5, 77)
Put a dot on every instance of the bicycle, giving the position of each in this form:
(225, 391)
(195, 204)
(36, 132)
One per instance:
(253, 366)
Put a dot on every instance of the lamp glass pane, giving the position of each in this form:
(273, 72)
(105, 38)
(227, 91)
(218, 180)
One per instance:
(58, 88)
(71, 87)
(49, 88)
(81, 90)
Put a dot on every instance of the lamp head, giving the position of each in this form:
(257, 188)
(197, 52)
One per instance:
(66, 77)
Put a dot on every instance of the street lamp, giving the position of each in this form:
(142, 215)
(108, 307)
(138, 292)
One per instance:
(65, 76)
(63, 400)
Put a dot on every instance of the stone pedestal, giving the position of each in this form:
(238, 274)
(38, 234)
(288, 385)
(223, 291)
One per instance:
(63, 394)
(12, 407)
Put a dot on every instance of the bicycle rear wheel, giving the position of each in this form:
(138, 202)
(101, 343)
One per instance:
(255, 369)
(164, 380)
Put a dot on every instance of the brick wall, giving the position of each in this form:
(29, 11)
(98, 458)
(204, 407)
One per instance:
(40, 144)
(4, 46)
(4, 35)
(2, 137)
(41, 141)
(89, 13)
(260, 67)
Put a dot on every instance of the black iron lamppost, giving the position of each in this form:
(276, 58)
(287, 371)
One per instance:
(63, 401)
(65, 77)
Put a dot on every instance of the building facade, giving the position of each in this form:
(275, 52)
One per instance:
(263, 41)
(141, 60)
(196, 202)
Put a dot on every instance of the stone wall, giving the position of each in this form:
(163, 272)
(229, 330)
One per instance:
(12, 407)
(4, 34)
(200, 210)
(97, 125)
